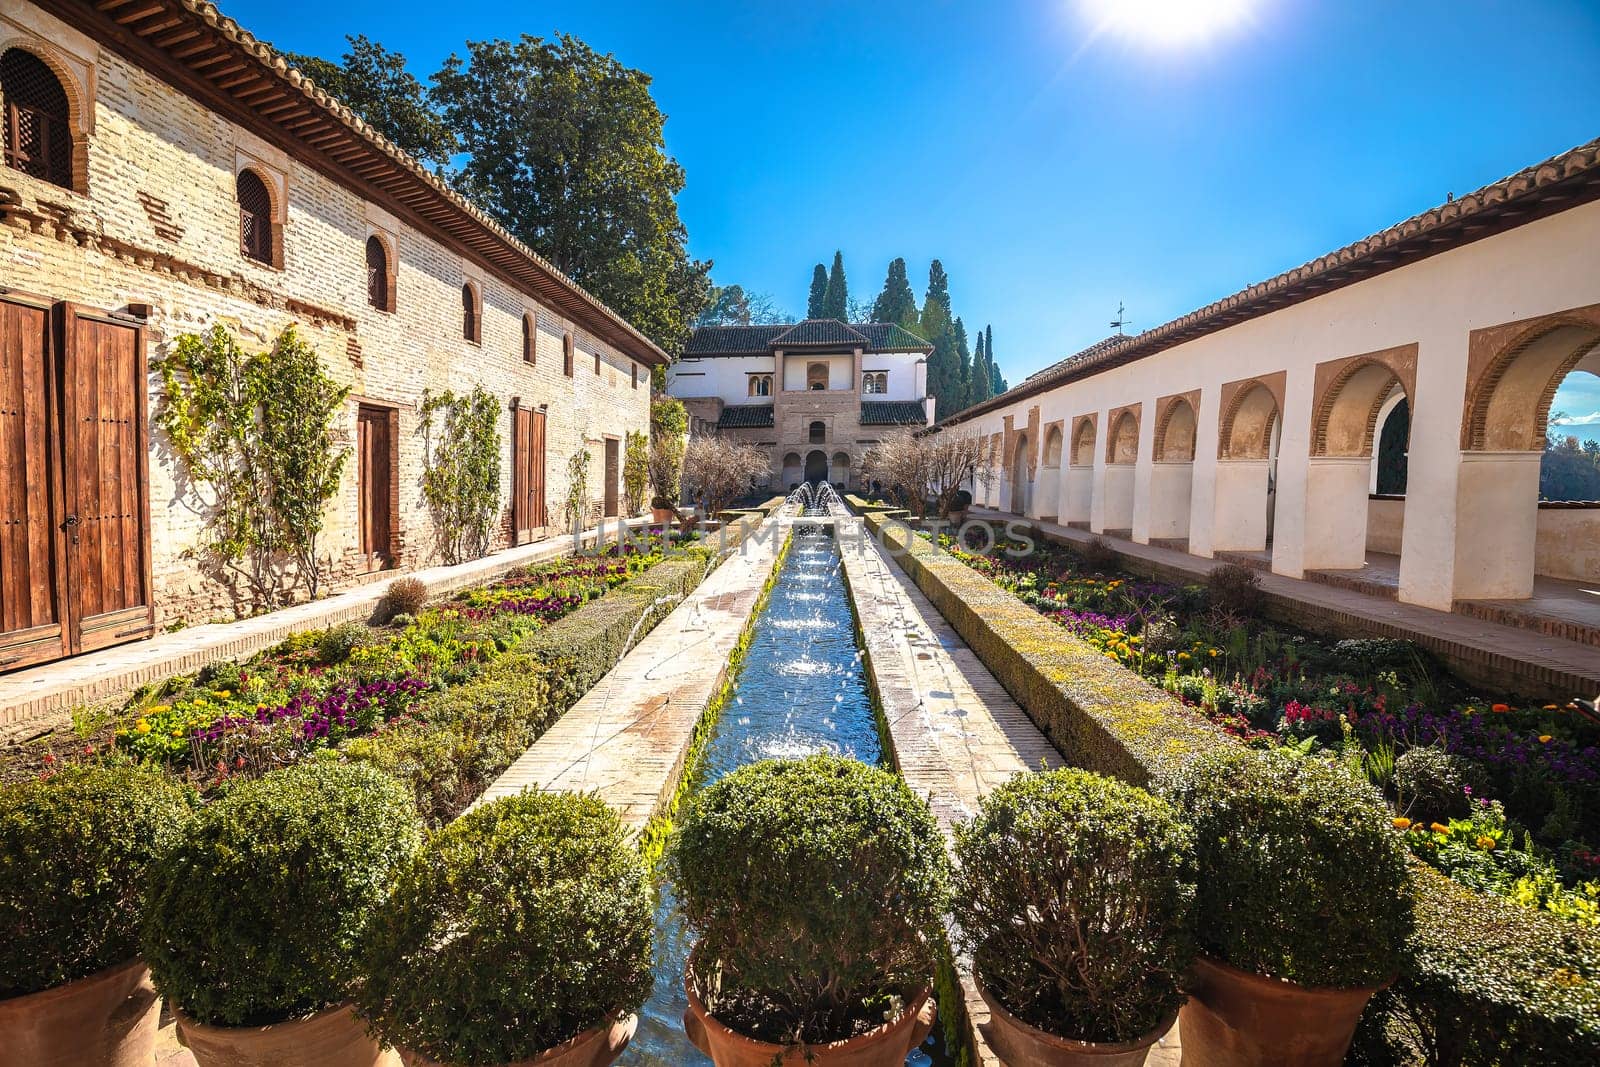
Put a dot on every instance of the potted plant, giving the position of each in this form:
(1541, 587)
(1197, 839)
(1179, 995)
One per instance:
(669, 422)
(816, 889)
(1301, 913)
(74, 850)
(1073, 897)
(520, 934)
(254, 918)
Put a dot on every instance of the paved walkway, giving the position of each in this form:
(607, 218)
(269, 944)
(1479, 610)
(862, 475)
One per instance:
(36, 699)
(1482, 651)
(628, 736)
(955, 731)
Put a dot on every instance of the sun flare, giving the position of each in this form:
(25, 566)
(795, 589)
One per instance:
(1165, 23)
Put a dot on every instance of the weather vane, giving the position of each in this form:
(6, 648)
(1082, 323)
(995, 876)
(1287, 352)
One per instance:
(1122, 319)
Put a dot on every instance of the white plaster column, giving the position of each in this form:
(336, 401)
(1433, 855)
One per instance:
(1428, 557)
(1239, 520)
(1171, 487)
(1046, 493)
(1139, 520)
(1097, 491)
(1335, 513)
(1497, 524)
(1288, 529)
(1203, 476)
(1117, 514)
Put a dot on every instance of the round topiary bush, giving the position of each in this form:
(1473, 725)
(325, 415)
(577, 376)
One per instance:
(1430, 783)
(1300, 877)
(74, 849)
(1074, 896)
(816, 887)
(256, 914)
(519, 926)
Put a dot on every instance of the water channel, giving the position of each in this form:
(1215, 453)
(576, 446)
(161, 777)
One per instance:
(802, 689)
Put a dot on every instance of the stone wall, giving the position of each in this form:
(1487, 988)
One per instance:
(159, 227)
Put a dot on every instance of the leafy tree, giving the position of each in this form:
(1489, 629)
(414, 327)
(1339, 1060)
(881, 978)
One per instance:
(636, 470)
(944, 372)
(836, 295)
(669, 421)
(961, 394)
(577, 503)
(376, 85)
(565, 147)
(461, 470)
(997, 383)
(732, 305)
(896, 303)
(979, 387)
(939, 286)
(817, 301)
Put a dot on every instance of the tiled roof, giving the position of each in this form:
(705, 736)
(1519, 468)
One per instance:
(756, 340)
(1557, 184)
(892, 413)
(818, 332)
(745, 417)
(1079, 357)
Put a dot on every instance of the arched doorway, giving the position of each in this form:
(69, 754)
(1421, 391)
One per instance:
(816, 466)
(839, 469)
(1019, 479)
(1122, 452)
(1510, 446)
(1047, 499)
(1172, 467)
(1078, 486)
(793, 470)
(1353, 396)
(1247, 452)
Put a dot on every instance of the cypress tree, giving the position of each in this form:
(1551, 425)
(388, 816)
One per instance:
(896, 303)
(819, 289)
(836, 296)
(939, 287)
(979, 388)
(997, 384)
(961, 397)
(944, 372)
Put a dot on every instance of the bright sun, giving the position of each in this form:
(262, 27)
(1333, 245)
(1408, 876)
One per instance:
(1164, 22)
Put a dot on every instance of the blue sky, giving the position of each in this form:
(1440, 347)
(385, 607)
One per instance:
(1056, 172)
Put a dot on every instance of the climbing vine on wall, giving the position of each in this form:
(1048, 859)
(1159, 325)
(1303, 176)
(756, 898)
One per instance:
(577, 488)
(254, 436)
(636, 470)
(461, 470)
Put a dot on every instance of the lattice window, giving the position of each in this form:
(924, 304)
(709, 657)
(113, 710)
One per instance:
(378, 274)
(471, 327)
(38, 134)
(255, 217)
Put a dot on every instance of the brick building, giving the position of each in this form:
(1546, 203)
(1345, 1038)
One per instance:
(819, 394)
(165, 172)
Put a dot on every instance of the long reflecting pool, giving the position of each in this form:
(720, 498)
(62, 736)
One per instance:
(801, 690)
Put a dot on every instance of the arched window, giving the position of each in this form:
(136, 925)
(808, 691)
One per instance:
(530, 349)
(1394, 438)
(869, 384)
(568, 351)
(597, 360)
(760, 385)
(817, 376)
(378, 275)
(471, 320)
(38, 136)
(255, 217)
(818, 432)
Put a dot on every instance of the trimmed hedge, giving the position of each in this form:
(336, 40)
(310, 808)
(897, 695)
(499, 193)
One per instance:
(1486, 981)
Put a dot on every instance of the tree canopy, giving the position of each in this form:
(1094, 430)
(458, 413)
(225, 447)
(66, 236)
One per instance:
(896, 303)
(836, 294)
(376, 84)
(817, 301)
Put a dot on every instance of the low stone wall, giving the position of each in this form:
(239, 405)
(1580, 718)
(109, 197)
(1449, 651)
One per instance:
(1489, 980)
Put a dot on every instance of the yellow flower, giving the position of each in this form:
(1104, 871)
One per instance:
(223, 694)
(158, 709)
(1544, 739)
(1551, 707)
(1401, 824)
(1215, 652)
(1486, 842)
(142, 726)
(1439, 828)
(1183, 655)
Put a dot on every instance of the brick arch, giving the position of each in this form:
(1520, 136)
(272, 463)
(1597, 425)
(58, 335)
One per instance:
(80, 109)
(1349, 394)
(1084, 428)
(1163, 448)
(1122, 435)
(391, 263)
(1513, 373)
(1052, 446)
(1250, 408)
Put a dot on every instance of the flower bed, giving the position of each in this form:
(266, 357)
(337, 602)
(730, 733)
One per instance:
(1367, 700)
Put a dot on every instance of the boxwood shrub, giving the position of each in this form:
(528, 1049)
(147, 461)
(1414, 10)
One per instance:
(1300, 875)
(255, 915)
(74, 849)
(816, 888)
(1074, 896)
(520, 925)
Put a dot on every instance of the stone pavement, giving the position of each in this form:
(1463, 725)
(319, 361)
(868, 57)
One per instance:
(1484, 652)
(955, 732)
(627, 738)
(35, 699)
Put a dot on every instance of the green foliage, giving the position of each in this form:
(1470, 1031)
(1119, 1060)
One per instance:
(1234, 590)
(564, 146)
(461, 470)
(669, 422)
(1300, 876)
(254, 436)
(836, 294)
(520, 925)
(374, 83)
(980, 386)
(1569, 468)
(997, 382)
(256, 914)
(1074, 895)
(1430, 783)
(896, 303)
(635, 470)
(816, 887)
(576, 506)
(335, 644)
(74, 849)
(817, 301)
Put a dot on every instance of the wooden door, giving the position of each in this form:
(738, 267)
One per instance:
(613, 475)
(105, 476)
(527, 474)
(375, 482)
(32, 594)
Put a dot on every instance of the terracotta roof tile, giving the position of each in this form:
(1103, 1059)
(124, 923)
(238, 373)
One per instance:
(745, 417)
(892, 413)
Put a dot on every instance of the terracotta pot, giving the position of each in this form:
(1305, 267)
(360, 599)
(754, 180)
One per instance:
(887, 1046)
(1237, 1019)
(660, 516)
(1021, 1045)
(598, 1047)
(331, 1038)
(106, 1020)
